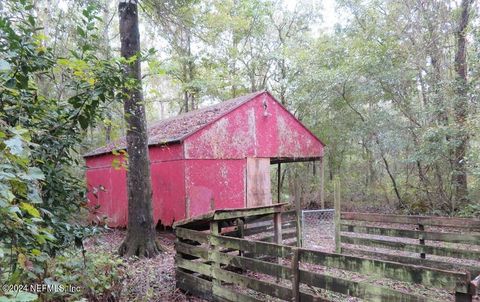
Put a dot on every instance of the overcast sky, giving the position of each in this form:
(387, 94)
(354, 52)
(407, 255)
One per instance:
(329, 15)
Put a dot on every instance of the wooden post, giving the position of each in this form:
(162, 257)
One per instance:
(279, 181)
(298, 212)
(421, 240)
(277, 227)
(295, 276)
(240, 232)
(322, 183)
(214, 231)
(277, 236)
(336, 193)
(463, 297)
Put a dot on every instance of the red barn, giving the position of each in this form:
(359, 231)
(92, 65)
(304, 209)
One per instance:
(212, 158)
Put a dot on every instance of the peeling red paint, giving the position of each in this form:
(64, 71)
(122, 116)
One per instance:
(107, 193)
(217, 184)
(208, 167)
(253, 131)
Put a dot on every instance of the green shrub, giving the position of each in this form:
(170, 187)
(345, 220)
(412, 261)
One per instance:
(40, 133)
(471, 210)
(95, 277)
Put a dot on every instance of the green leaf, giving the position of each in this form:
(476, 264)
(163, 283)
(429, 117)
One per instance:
(81, 32)
(4, 66)
(15, 145)
(40, 239)
(7, 195)
(31, 20)
(30, 209)
(34, 195)
(19, 131)
(6, 175)
(22, 296)
(83, 122)
(36, 173)
(14, 209)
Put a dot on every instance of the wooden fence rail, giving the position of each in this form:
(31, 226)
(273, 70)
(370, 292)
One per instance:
(366, 233)
(215, 267)
(464, 223)
(263, 228)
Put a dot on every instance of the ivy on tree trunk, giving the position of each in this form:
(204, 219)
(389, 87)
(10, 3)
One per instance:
(140, 240)
(459, 177)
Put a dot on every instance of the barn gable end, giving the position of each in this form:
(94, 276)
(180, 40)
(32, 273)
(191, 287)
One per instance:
(261, 127)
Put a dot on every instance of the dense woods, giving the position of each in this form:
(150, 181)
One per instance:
(391, 88)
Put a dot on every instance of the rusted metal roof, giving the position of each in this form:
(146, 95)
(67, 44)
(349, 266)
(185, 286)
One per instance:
(176, 129)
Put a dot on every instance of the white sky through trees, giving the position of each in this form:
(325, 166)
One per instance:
(327, 11)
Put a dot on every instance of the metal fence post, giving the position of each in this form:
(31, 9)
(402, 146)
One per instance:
(298, 209)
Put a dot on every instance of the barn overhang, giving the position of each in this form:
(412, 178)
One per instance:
(202, 222)
(281, 160)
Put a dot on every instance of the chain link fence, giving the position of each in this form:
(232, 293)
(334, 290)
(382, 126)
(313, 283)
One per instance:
(318, 229)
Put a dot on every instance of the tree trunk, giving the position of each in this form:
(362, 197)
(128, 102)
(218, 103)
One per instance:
(108, 128)
(235, 41)
(191, 70)
(394, 182)
(401, 203)
(140, 240)
(437, 99)
(106, 37)
(459, 176)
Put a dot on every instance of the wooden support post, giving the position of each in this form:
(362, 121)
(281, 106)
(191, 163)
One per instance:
(240, 232)
(277, 227)
(279, 182)
(463, 297)
(474, 286)
(322, 182)
(277, 236)
(295, 276)
(214, 230)
(298, 212)
(336, 193)
(421, 240)
(178, 255)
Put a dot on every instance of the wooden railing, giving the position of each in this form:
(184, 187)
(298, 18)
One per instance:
(383, 236)
(216, 267)
(262, 228)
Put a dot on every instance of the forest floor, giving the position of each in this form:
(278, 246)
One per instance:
(154, 279)
(146, 279)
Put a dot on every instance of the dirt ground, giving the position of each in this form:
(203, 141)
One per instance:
(147, 279)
